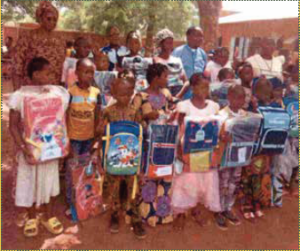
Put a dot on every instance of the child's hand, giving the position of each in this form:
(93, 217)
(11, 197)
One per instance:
(28, 155)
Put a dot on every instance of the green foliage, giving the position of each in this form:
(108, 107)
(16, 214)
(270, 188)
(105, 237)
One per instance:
(95, 16)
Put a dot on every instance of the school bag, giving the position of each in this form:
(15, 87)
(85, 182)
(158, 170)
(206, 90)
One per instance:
(86, 188)
(103, 80)
(199, 141)
(292, 107)
(162, 150)
(175, 84)
(122, 148)
(243, 131)
(45, 122)
(69, 77)
(274, 130)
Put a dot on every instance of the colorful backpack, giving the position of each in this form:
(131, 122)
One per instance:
(162, 150)
(274, 130)
(122, 148)
(200, 139)
(175, 84)
(292, 107)
(45, 122)
(87, 188)
(103, 80)
(244, 132)
(69, 76)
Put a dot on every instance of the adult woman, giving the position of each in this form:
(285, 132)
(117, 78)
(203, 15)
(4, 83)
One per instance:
(40, 42)
(176, 77)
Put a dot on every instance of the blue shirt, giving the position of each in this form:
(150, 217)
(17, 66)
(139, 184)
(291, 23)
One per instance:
(193, 60)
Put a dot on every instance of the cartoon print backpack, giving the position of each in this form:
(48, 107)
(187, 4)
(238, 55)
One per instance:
(292, 108)
(243, 132)
(162, 150)
(199, 141)
(274, 130)
(87, 188)
(69, 76)
(122, 148)
(45, 122)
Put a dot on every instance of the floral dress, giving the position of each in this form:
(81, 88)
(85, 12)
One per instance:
(31, 44)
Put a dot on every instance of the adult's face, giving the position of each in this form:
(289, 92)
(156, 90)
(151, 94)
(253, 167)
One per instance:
(114, 36)
(195, 38)
(268, 47)
(49, 21)
(167, 45)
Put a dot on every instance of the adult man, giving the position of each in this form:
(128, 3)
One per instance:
(264, 64)
(194, 58)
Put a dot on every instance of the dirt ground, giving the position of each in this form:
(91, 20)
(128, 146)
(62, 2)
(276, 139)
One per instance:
(278, 230)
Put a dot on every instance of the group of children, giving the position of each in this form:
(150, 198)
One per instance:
(38, 184)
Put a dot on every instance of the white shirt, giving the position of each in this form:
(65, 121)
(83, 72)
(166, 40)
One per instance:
(270, 68)
(186, 107)
(213, 69)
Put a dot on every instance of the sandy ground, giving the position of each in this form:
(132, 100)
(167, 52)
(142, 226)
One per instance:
(278, 230)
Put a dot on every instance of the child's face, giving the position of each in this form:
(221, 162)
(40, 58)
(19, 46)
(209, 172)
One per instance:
(85, 74)
(222, 59)
(264, 94)
(83, 49)
(246, 74)
(134, 45)
(229, 75)
(102, 63)
(162, 80)
(278, 93)
(41, 77)
(236, 100)
(123, 94)
(201, 89)
(167, 45)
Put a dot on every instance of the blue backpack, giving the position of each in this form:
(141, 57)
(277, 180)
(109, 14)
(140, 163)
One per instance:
(292, 107)
(122, 148)
(200, 134)
(274, 130)
(244, 132)
(162, 150)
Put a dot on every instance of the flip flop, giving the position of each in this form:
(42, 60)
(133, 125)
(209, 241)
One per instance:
(31, 228)
(53, 225)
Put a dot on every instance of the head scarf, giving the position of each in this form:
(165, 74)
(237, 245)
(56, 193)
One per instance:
(44, 7)
(162, 35)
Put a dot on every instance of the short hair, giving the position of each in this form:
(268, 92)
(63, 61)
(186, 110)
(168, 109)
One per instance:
(79, 39)
(82, 61)
(236, 89)
(260, 83)
(36, 64)
(242, 66)
(223, 72)
(109, 28)
(196, 78)
(133, 34)
(128, 76)
(155, 70)
(221, 51)
(192, 29)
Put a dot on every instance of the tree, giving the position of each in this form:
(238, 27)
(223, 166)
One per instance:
(209, 12)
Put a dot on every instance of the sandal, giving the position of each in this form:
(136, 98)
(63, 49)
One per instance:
(179, 222)
(31, 228)
(53, 225)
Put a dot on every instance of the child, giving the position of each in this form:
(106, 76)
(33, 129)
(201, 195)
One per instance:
(82, 117)
(255, 177)
(37, 184)
(225, 74)
(229, 178)
(190, 188)
(245, 73)
(277, 93)
(82, 50)
(122, 90)
(220, 61)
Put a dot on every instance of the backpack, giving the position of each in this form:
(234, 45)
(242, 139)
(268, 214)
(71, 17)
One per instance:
(274, 131)
(200, 139)
(162, 150)
(45, 122)
(292, 108)
(218, 93)
(122, 148)
(244, 131)
(87, 188)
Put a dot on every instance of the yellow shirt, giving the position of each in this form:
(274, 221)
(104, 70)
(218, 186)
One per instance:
(81, 113)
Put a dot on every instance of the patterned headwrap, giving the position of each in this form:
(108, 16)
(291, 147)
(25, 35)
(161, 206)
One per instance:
(44, 6)
(162, 35)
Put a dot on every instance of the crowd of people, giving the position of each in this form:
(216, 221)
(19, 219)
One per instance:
(118, 83)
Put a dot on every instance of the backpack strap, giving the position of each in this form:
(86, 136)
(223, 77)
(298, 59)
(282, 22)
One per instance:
(107, 139)
(141, 146)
